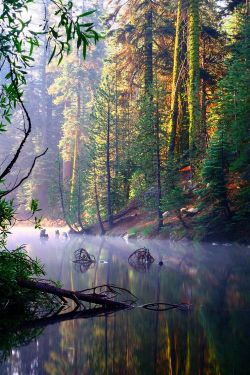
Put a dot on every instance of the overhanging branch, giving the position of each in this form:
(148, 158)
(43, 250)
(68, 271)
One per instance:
(25, 177)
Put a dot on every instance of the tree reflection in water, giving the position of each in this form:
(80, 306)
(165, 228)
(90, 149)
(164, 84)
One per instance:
(211, 339)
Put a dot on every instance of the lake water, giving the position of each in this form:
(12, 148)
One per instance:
(212, 338)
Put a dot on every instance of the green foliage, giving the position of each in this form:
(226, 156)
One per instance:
(133, 231)
(6, 217)
(18, 305)
(228, 152)
(75, 29)
(148, 230)
(137, 184)
(173, 198)
(214, 196)
(145, 142)
(16, 265)
(18, 40)
(242, 203)
(214, 171)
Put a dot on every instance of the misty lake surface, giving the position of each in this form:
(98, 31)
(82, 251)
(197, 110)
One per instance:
(212, 338)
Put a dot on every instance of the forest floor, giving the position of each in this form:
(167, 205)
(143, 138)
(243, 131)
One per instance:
(139, 223)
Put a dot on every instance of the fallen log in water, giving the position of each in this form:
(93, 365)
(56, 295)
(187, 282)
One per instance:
(104, 295)
(104, 298)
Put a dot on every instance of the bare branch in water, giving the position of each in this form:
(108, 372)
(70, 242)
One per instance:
(141, 259)
(107, 295)
(162, 306)
(82, 256)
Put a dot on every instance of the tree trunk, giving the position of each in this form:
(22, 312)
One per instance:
(76, 296)
(203, 102)
(158, 167)
(116, 122)
(61, 193)
(74, 167)
(149, 50)
(175, 82)
(109, 208)
(102, 230)
(194, 77)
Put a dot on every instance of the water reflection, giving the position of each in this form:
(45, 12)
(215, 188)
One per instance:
(212, 339)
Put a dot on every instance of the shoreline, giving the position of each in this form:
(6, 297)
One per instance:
(139, 224)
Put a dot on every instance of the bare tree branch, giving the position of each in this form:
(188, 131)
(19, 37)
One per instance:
(25, 177)
(27, 131)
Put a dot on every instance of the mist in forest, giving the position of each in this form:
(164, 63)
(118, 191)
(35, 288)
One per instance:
(140, 124)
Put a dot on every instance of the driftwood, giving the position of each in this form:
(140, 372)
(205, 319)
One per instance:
(141, 259)
(106, 295)
(142, 255)
(82, 256)
(43, 234)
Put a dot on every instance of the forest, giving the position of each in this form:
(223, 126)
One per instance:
(157, 115)
(125, 120)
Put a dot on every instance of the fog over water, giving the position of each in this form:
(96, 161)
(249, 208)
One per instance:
(214, 279)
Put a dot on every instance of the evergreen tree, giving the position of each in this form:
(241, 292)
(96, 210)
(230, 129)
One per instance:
(214, 174)
(227, 162)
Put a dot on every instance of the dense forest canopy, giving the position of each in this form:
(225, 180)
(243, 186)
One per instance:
(157, 114)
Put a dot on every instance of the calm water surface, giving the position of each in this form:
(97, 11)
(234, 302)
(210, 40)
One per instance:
(213, 338)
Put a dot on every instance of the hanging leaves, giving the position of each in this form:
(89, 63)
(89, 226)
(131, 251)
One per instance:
(70, 28)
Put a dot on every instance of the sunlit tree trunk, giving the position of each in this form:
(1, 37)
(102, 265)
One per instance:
(194, 76)
(76, 183)
(203, 101)
(61, 194)
(175, 82)
(99, 219)
(74, 167)
(108, 169)
(116, 121)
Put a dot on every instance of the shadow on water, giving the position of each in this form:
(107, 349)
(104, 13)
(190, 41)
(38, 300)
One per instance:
(212, 338)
